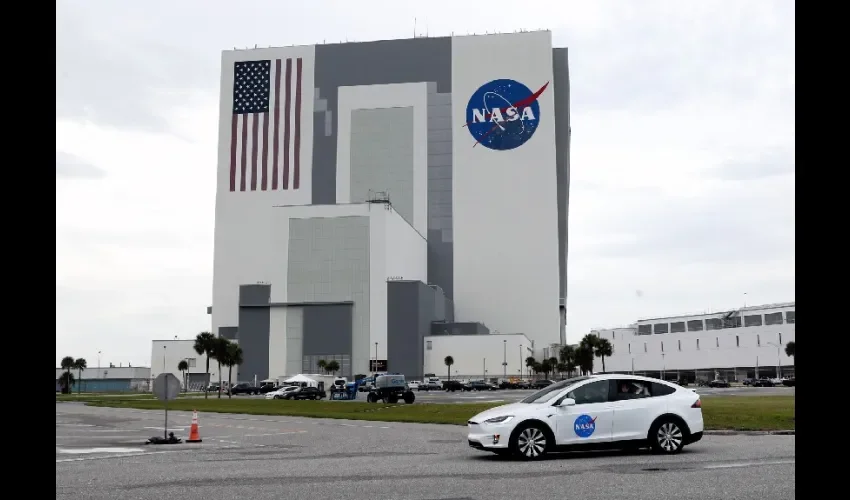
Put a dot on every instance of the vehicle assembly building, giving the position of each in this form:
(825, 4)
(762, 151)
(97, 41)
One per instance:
(374, 199)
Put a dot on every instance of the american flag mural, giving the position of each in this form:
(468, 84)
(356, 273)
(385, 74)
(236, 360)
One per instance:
(265, 138)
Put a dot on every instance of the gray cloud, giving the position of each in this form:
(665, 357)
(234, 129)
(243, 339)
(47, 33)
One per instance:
(69, 166)
(770, 164)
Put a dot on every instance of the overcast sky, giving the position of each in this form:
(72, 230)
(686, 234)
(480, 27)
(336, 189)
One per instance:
(682, 195)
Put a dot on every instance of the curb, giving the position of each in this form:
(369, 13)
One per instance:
(751, 433)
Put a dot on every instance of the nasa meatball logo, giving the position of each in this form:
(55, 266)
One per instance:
(503, 114)
(585, 425)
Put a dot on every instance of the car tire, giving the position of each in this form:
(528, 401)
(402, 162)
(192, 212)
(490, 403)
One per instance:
(531, 441)
(371, 398)
(667, 436)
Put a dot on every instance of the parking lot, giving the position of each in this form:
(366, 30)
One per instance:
(99, 455)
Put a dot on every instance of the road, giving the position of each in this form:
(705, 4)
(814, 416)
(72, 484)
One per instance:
(99, 456)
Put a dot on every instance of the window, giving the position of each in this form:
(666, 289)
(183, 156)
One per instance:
(677, 327)
(780, 339)
(661, 389)
(695, 325)
(790, 316)
(644, 347)
(428, 345)
(644, 329)
(660, 328)
(758, 340)
(733, 322)
(697, 344)
(773, 319)
(630, 348)
(662, 347)
(737, 341)
(191, 361)
(717, 341)
(631, 389)
(594, 392)
(547, 393)
(680, 345)
(713, 324)
(754, 320)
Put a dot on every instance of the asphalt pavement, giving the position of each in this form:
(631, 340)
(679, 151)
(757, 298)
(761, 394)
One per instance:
(99, 455)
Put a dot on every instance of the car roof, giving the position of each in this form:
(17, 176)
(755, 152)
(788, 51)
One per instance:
(626, 376)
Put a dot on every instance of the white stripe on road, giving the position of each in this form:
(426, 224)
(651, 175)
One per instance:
(749, 464)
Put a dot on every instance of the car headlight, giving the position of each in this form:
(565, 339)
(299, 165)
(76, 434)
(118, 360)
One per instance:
(499, 420)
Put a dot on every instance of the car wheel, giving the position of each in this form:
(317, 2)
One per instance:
(667, 436)
(530, 442)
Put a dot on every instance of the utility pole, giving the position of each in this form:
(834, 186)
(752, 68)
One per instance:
(505, 360)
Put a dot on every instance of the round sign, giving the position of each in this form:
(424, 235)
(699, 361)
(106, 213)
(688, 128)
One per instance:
(584, 426)
(503, 114)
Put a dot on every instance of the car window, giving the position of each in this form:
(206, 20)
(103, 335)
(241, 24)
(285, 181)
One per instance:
(661, 389)
(632, 389)
(547, 393)
(594, 392)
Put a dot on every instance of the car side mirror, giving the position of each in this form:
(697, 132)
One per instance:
(567, 402)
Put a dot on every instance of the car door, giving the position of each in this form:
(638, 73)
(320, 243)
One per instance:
(635, 408)
(590, 420)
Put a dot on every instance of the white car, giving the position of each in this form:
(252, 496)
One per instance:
(413, 385)
(278, 394)
(608, 411)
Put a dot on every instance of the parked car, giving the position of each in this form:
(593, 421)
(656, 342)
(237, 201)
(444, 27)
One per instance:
(431, 384)
(267, 388)
(540, 384)
(763, 382)
(683, 382)
(244, 388)
(280, 391)
(718, 383)
(747, 381)
(413, 385)
(581, 411)
(789, 382)
(304, 393)
(479, 385)
(452, 386)
(213, 387)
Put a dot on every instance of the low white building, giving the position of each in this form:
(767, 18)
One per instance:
(706, 345)
(166, 355)
(477, 356)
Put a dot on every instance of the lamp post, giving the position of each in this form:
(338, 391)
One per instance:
(663, 366)
(505, 360)
(98, 361)
(633, 365)
(778, 359)
(485, 369)
(520, 361)
(164, 348)
(376, 357)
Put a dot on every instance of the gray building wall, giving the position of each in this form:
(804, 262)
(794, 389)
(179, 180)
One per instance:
(328, 261)
(254, 323)
(462, 328)
(386, 62)
(563, 131)
(382, 156)
(327, 336)
(411, 308)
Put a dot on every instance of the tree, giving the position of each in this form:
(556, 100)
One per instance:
(603, 348)
(66, 380)
(204, 345)
(449, 361)
(220, 347)
(567, 355)
(80, 365)
(232, 357)
(322, 364)
(584, 358)
(562, 368)
(545, 367)
(790, 350)
(332, 366)
(183, 367)
(529, 363)
(66, 364)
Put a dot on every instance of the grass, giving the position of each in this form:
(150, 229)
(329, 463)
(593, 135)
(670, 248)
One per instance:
(720, 412)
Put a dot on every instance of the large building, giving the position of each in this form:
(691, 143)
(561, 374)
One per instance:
(705, 346)
(374, 194)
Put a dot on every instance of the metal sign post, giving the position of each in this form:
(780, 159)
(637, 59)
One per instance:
(166, 386)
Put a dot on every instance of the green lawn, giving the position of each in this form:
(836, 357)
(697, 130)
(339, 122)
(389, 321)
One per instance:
(721, 412)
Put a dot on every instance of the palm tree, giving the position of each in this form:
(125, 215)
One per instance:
(232, 357)
(66, 364)
(183, 367)
(449, 361)
(567, 356)
(603, 348)
(584, 358)
(545, 367)
(80, 365)
(220, 347)
(562, 368)
(332, 366)
(529, 363)
(790, 350)
(66, 380)
(204, 345)
(322, 364)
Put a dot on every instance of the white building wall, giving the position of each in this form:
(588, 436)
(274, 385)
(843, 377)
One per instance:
(167, 354)
(503, 200)
(243, 243)
(473, 354)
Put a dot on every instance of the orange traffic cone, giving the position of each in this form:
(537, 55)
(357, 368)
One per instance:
(194, 435)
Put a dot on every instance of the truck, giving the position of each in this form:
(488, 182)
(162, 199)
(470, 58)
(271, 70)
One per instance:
(389, 388)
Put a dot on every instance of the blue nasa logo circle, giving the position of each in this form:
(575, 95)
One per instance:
(503, 114)
(584, 426)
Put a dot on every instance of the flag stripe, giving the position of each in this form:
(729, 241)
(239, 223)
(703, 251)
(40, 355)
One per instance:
(234, 130)
(297, 150)
(286, 111)
(276, 132)
(265, 150)
(244, 158)
(255, 129)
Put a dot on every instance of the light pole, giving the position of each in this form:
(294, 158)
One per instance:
(663, 366)
(505, 360)
(633, 365)
(164, 348)
(520, 361)
(778, 360)
(376, 357)
(485, 369)
(98, 361)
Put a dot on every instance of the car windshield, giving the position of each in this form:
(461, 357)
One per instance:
(546, 394)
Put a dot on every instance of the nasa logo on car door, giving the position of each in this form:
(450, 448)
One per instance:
(584, 426)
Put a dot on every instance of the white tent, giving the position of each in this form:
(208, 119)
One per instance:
(299, 379)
